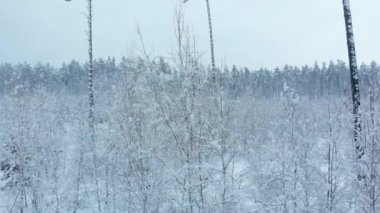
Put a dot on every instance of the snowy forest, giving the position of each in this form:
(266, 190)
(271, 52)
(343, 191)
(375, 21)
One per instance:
(174, 134)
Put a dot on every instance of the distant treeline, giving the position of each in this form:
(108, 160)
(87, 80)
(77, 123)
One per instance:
(319, 80)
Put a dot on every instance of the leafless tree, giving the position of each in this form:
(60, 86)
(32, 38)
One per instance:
(355, 92)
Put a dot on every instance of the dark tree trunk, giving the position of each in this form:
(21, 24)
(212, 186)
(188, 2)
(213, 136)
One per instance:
(354, 79)
(213, 67)
(90, 74)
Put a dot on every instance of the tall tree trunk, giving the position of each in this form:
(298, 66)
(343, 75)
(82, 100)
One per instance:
(354, 80)
(91, 120)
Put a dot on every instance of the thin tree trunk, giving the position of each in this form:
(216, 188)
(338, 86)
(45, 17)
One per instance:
(90, 73)
(213, 67)
(200, 164)
(218, 102)
(91, 120)
(331, 164)
(373, 162)
(77, 184)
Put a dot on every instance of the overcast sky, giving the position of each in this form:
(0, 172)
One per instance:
(253, 33)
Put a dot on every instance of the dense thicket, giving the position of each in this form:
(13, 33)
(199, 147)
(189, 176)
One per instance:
(279, 141)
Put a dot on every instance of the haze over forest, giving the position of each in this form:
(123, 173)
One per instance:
(189, 106)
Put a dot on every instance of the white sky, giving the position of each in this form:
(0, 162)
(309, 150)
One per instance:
(253, 33)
